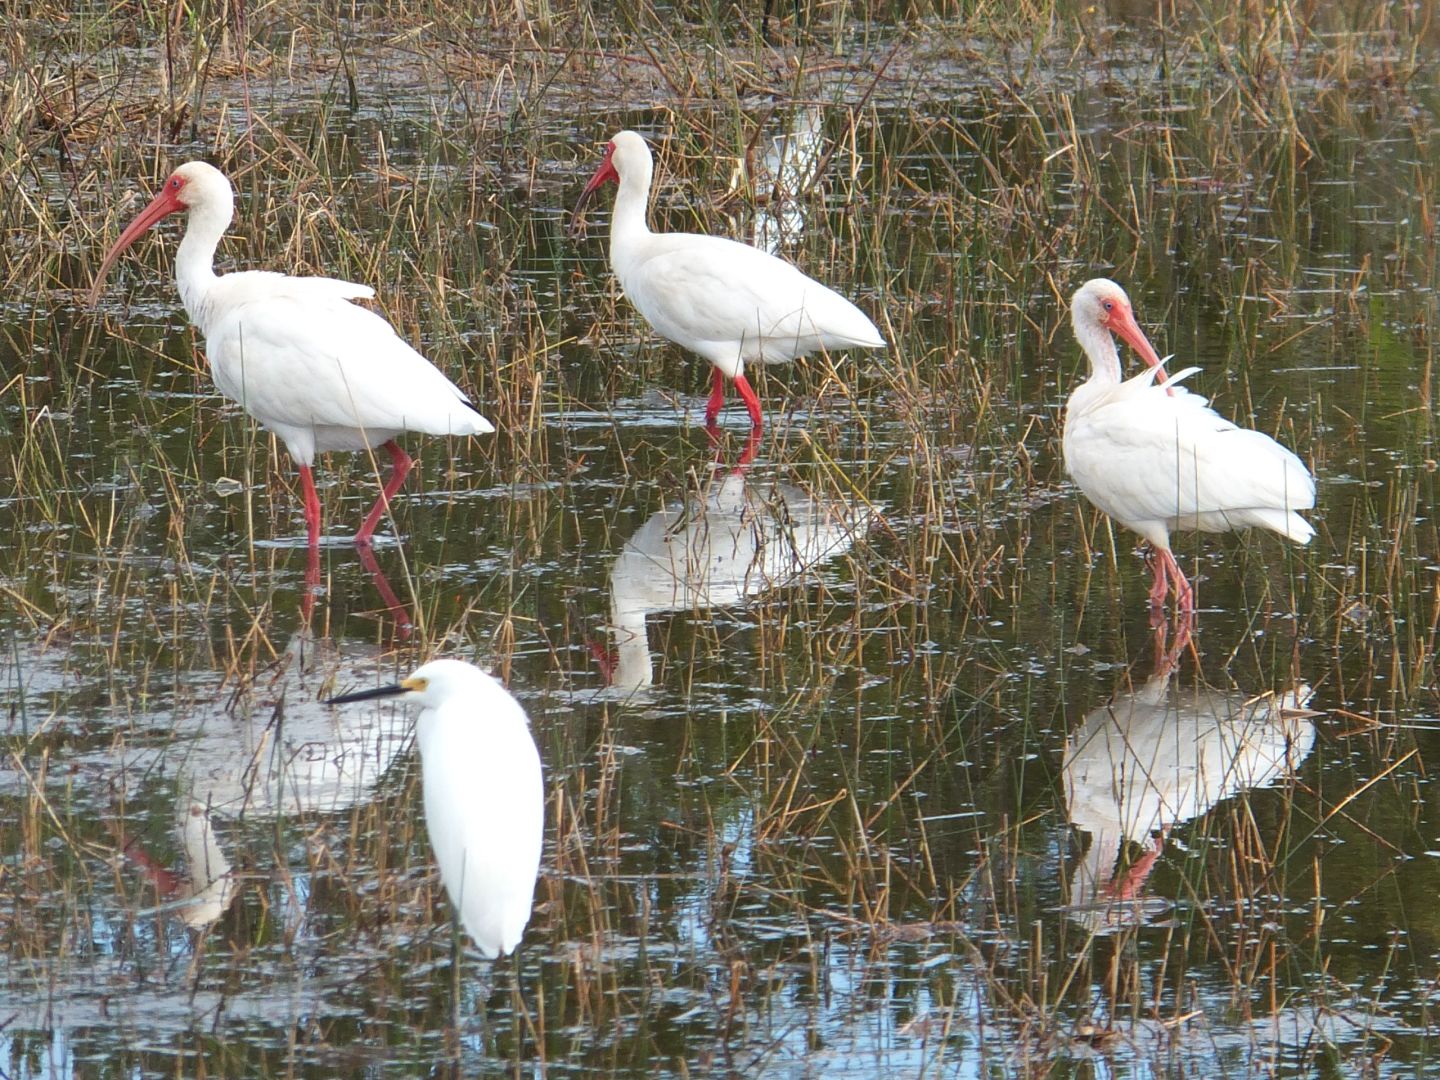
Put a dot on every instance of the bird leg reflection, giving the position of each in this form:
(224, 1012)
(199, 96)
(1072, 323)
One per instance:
(312, 583)
(404, 627)
(1128, 884)
(747, 455)
(605, 658)
(1167, 656)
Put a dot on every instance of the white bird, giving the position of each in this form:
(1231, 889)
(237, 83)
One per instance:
(484, 801)
(318, 371)
(1155, 457)
(729, 302)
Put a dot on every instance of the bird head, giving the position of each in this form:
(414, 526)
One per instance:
(607, 173)
(431, 684)
(625, 154)
(193, 186)
(1100, 303)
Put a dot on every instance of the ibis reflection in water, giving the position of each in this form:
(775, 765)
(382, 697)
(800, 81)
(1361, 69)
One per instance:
(271, 751)
(731, 542)
(790, 164)
(1157, 755)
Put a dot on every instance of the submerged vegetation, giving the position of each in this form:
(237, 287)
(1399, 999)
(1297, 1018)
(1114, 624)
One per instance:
(836, 827)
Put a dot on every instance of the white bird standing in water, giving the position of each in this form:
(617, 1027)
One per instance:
(484, 799)
(729, 302)
(319, 372)
(1155, 457)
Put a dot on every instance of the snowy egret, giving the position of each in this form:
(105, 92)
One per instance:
(484, 802)
(301, 359)
(1155, 457)
(728, 302)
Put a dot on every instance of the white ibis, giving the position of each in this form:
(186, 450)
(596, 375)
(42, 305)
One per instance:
(1155, 457)
(318, 371)
(484, 798)
(729, 302)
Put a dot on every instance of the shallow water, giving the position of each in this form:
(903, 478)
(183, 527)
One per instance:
(830, 825)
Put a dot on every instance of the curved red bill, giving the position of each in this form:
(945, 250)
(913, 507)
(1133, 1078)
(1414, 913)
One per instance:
(1122, 322)
(603, 175)
(164, 204)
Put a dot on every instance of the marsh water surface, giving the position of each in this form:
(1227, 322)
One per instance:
(863, 756)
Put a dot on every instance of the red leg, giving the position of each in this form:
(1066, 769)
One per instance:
(717, 397)
(1161, 587)
(312, 506)
(399, 467)
(751, 401)
(1184, 594)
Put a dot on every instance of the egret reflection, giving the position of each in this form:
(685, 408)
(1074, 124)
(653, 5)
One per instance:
(729, 543)
(209, 889)
(1157, 755)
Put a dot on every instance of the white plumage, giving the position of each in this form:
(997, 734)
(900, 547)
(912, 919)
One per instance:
(484, 796)
(318, 371)
(1155, 457)
(731, 303)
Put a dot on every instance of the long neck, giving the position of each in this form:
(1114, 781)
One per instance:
(1099, 346)
(628, 224)
(195, 261)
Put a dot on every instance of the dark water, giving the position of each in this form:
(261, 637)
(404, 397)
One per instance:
(841, 808)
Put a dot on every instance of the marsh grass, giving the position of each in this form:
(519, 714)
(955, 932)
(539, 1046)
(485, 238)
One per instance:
(839, 819)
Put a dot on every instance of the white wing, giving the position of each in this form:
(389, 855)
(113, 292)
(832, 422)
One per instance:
(716, 296)
(484, 811)
(301, 359)
(1144, 456)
